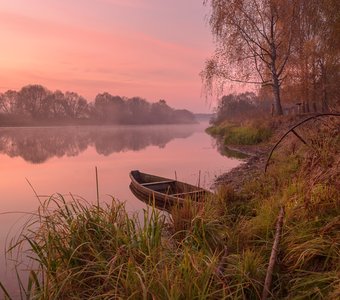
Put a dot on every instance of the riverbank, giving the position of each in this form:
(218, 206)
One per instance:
(256, 150)
(302, 180)
(252, 166)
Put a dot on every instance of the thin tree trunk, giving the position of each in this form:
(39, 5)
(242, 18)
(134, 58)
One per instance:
(325, 106)
(277, 98)
(274, 71)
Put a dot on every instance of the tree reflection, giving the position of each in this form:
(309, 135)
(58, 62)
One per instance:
(37, 145)
(223, 149)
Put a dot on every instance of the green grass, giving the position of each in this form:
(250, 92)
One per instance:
(238, 134)
(246, 135)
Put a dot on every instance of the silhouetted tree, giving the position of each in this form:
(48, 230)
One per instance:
(161, 112)
(75, 106)
(31, 99)
(139, 110)
(57, 105)
(109, 109)
(8, 102)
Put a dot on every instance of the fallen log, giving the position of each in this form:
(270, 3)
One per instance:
(273, 255)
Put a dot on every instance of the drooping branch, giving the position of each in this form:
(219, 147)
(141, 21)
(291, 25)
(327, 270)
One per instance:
(227, 77)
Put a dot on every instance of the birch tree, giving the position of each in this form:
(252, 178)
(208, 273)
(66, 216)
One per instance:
(253, 43)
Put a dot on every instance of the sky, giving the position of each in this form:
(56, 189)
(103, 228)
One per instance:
(154, 49)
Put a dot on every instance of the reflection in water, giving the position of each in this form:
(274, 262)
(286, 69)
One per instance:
(225, 151)
(37, 145)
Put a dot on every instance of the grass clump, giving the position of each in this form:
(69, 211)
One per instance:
(313, 285)
(246, 135)
(245, 274)
(199, 226)
(250, 133)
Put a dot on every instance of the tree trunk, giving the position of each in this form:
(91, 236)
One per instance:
(307, 109)
(324, 101)
(275, 78)
(273, 69)
(276, 92)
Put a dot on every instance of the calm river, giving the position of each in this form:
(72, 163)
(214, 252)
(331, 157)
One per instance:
(63, 159)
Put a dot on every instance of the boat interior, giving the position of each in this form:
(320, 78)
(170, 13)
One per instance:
(166, 186)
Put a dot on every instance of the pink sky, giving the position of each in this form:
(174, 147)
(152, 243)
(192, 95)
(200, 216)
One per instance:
(149, 48)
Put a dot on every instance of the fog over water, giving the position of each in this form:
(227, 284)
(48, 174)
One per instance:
(63, 160)
(38, 145)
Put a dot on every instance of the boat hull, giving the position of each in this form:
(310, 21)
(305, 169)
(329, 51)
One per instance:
(163, 192)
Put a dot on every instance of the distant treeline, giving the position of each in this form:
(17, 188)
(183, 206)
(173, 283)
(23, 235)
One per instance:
(35, 104)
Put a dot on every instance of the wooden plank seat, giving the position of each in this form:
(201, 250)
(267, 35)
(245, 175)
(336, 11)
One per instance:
(187, 193)
(157, 182)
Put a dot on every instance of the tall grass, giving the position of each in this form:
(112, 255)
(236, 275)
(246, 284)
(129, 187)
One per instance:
(85, 251)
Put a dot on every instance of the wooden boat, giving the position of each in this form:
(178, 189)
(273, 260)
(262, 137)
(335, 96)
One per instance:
(164, 192)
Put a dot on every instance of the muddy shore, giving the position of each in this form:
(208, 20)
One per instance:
(252, 166)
